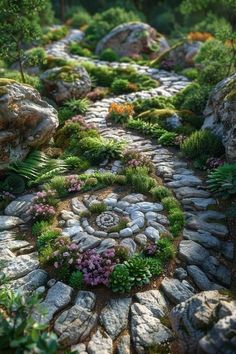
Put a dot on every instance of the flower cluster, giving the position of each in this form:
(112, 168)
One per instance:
(120, 113)
(73, 184)
(200, 36)
(214, 162)
(65, 254)
(150, 249)
(44, 197)
(80, 119)
(42, 211)
(135, 159)
(4, 195)
(134, 163)
(96, 267)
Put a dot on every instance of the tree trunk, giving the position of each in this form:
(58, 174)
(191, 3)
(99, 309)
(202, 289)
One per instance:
(21, 70)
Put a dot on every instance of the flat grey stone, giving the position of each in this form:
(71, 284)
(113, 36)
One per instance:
(129, 244)
(184, 181)
(21, 265)
(199, 203)
(175, 290)
(139, 222)
(100, 343)
(19, 208)
(58, 296)
(162, 219)
(152, 233)
(75, 324)
(71, 231)
(147, 206)
(136, 215)
(14, 245)
(77, 206)
(159, 227)
(106, 244)
(197, 222)
(141, 239)
(134, 198)
(203, 237)
(114, 317)
(30, 281)
(228, 250)
(200, 279)
(9, 222)
(154, 301)
(215, 269)
(192, 253)
(180, 273)
(189, 192)
(146, 329)
(86, 241)
(126, 232)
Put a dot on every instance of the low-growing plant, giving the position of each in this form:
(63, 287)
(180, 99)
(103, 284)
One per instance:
(139, 179)
(161, 102)
(165, 249)
(47, 238)
(20, 333)
(42, 212)
(160, 192)
(48, 196)
(40, 227)
(170, 203)
(97, 208)
(134, 159)
(58, 183)
(120, 280)
(120, 226)
(167, 139)
(202, 142)
(76, 163)
(121, 252)
(35, 56)
(138, 270)
(177, 221)
(76, 280)
(154, 265)
(120, 113)
(78, 105)
(64, 113)
(108, 55)
(55, 34)
(120, 86)
(222, 180)
(77, 49)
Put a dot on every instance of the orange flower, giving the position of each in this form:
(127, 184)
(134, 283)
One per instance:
(121, 109)
(200, 36)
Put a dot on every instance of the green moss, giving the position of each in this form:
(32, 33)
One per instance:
(66, 73)
(5, 81)
(156, 115)
(231, 96)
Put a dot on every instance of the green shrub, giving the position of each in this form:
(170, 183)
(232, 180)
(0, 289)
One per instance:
(138, 270)
(120, 280)
(108, 55)
(76, 280)
(170, 203)
(55, 34)
(120, 86)
(78, 105)
(97, 208)
(40, 227)
(35, 56)
(20, 333)
(47, 238)
(167, 139)
(193, 98)
(121, 252)
(139, 180)
(222, 180)
(76, 163)
(165, 249)
(202, 142)
(177, 221)
(80, 18)
(77, 49)
(102, 23)
(45, 255)
(142, 105)
(120, 226)
(120, 179)
(13, 183)
(160, 192)
(31, 80)
(190, 73)
(102, 75)
(155, 266)
(58, 183)
(65, 113)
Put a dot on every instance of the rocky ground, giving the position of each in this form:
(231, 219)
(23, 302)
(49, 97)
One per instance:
(192, 306)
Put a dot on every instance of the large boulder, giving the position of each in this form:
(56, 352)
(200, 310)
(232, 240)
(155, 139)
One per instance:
(205, 323)
(66, 82)
(220, 114)
(26, 121)
(134, 39)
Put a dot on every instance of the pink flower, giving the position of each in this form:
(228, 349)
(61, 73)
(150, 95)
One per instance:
(56, 265)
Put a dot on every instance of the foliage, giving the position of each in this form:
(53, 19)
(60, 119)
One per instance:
(80, 18)
(58, 183)
(47, 238)
(31, 80)
(177, 221)
(78, 49)
(154, 130)
(139, 180)
(55, 34)
(78, 105)
(154, 265)
(35, 56)
(120, 280)
(160, 192)
(120, 113)
(202, 142)
(76, 280)
(170, 203)
(138, 270)
(19, 331)
(120, 226)
(76, 163)
(120, 86)
(222, 180)
(108, 55)
(103, 22)
(97, 208)
(97, 150)
(19, 27)
(167, 138)
(162, 102)
(39, 227)
(13, 183)
(43, 211)
(132, 158)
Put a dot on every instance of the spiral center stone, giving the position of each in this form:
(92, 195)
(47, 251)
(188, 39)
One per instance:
(107, 219)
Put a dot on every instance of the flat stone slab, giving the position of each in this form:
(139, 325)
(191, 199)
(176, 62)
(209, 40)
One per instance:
(199, 203)
(206, 239)
(197, 222)
(192, 253)
(152, 233)
(200, 279)
(30, 282)
(21, 265)
(114, 317)
(19, 208)
(9, 222)
(154, 301)
(100, 343)
(146, 329)
(75, 324)
(123, 346)
(58, 296)
(189, 192)
(175, 290)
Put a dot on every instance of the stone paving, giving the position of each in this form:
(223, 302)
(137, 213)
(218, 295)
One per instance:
(202, 253)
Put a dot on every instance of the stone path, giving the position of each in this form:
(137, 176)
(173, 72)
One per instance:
(202, 253)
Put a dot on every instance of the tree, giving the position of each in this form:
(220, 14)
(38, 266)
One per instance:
(19, 26)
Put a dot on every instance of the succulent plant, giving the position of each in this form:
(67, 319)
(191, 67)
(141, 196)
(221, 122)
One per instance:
(139, 270)
(120, 280)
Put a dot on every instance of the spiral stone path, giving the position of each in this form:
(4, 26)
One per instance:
(126, 323)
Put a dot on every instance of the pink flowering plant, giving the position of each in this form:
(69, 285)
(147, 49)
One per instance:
(43, 211)
(134, 159)
(73, 184)
(81, 121)
(97, 267)
(65, 254)
(46, 197)
(214, 162)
